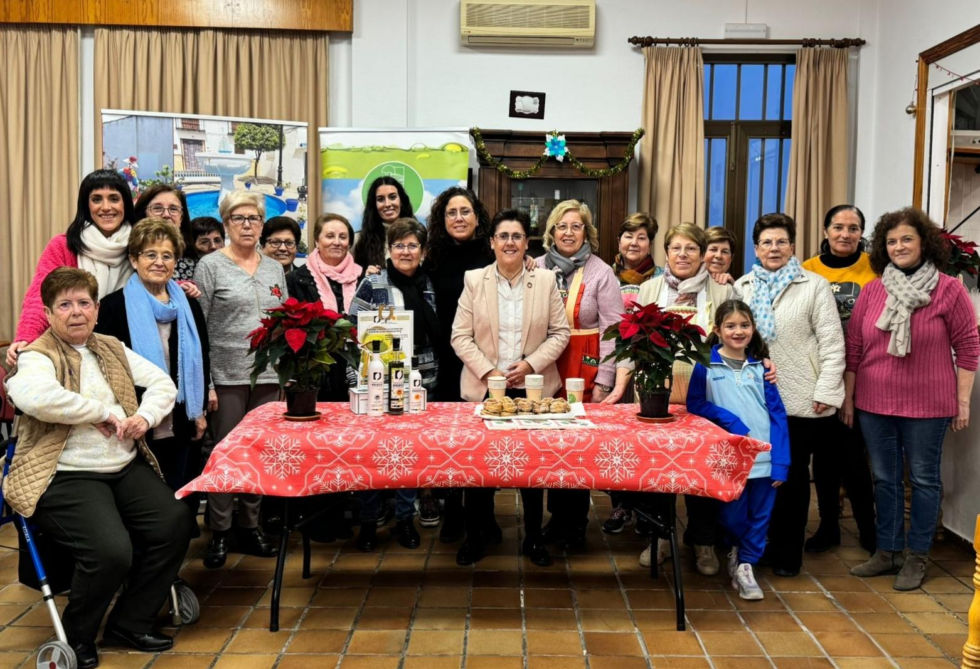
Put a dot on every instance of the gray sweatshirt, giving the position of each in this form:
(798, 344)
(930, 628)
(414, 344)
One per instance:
(232, 302)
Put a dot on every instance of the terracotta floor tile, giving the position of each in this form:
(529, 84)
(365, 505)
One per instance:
(258, 642)
(770, 621)
(552, 662)
(913, 603)
(937, 623)
(847, 644)
(447, 579)
(376, 642)
(368, 662)
(443, 597)
(843, 583)
(399, 597)
(433, 662)
(715, 621)
(882, 623)
(675, 643)
(740, 662)
(588, 581)
(121, 660)
(956, 603)
(246, 662)
(826, 622)
(307, 661)
(38, 616)
(346, 580)
(951, 644)
(799, 583)
(612, 643)
(944, 584)
(339, 597)
(235, 596)
(548, 599)
(495, 598)
(770, 603)
(494, 662)
(662, 662)
(495, 619)
(712, 601)
(550, 619)
(863, 663)
(605, 620)
(808, 602)
(384, 618)
(802, 663)
(957, 567)
(482, 642)
(17, 593)
(328, 619)
(651, 599)
(201, 640)
(13, 659)
(318, 641)
(789, 644)
(396, 562)
(498, 579)
(600, 599)
(224, 616)
(553, 643)
(730, 643)
(425, 642)
(924, 663)
(612, 662)
(358, 562)
(171, 660)
(655, 621)
(863, 602)
(907, 645)
(439, 619)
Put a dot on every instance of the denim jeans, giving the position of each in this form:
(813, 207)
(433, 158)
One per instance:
(893, 440)
(371, 504)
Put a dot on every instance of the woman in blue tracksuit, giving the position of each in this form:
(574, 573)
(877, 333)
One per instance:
(733, 394)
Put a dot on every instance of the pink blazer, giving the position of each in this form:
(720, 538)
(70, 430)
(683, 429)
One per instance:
(544, 331)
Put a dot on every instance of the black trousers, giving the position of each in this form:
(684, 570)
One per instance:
(100, 519)
(787, 530)
(179, 467)
(569, 509)
(844, 460)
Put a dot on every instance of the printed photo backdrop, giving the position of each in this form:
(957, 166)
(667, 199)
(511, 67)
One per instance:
(426, 162)
(208, 156)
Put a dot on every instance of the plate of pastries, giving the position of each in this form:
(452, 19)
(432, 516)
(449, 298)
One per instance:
(548, 408)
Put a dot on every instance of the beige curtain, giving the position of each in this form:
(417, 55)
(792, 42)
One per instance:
(270, 75)
(39, 152)
(818, 165)
(671, 176)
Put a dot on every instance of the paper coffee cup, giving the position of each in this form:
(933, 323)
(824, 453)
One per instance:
(534, 385)
(497, 386)
(574, 390)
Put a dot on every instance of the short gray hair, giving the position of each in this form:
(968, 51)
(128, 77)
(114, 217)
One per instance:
(241, 198)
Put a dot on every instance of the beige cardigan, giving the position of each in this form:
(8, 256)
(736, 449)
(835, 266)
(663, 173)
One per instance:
(544, 332)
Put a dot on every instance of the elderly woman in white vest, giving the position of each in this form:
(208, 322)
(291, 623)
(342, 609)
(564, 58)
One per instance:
(83, 473)
(796, 314)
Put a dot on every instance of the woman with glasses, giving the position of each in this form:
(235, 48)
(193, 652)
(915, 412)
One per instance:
(402, 285)
(280, 241)
(796, 314)
(207, 236)
(169, 204)
(237, 283)
(593, 302)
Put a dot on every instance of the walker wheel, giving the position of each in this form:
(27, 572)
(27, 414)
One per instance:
(187, 605)
(56, 655)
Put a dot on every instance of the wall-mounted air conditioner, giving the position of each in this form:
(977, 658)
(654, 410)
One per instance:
(527, 23)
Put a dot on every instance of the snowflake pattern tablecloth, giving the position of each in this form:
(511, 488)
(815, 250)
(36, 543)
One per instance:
(448, 446)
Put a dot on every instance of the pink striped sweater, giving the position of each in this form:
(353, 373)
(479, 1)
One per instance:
(33, 322)
(923, 383)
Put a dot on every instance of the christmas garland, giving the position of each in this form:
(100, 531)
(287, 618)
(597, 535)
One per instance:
(554, 147)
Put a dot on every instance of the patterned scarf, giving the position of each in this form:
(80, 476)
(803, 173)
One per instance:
(634, 277)
(905, 295)
(565, 267)
(768, 287)
(687, 289)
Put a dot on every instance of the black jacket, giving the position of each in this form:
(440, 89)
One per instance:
(113, 321)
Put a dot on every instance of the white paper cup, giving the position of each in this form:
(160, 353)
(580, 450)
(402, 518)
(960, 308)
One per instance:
(497, 386)
(534, 384)
(574, 390)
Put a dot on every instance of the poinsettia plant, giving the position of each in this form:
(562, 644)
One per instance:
(654, 339)
(301, 340)
(963, 257)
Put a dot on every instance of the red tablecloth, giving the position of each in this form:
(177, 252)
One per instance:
(448, 446)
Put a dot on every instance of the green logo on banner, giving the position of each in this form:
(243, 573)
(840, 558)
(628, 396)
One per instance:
(406, 176)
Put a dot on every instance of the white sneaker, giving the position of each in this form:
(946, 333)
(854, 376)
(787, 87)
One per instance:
(645, 556)
(707, 561)
(732, 561)
(744, 581)
(663, 551)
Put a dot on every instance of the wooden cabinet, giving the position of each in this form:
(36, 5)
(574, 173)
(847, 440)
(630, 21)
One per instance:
(597, 150)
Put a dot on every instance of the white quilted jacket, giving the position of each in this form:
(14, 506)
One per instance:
(809, 346)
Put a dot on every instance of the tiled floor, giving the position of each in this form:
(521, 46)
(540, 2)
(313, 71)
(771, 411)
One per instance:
(403, 609)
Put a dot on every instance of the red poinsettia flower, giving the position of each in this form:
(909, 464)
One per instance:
(257, 336)
(658, 339)
(295, 337)
(627, 329)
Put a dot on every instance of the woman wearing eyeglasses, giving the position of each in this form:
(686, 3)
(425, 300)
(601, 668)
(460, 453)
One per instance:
(593, 302)
(237, 283)
(280, 241)
(169, 204)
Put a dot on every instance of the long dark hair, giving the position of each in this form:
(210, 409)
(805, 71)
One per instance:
(757, 346)
(439, 240)
(94, 181)
(186, 232)
(829, 218)
(370, 246)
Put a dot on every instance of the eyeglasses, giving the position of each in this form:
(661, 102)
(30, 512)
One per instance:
(516, 237)
(238, 219)
(159, 210)
(687, 250)
(153, 256)
(205, 243)
(564, 227)
(459, 213)
(406, 247)
(781, 244)
(279, 243)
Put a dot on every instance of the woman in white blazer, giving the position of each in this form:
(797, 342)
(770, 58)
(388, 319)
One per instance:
(510, 322)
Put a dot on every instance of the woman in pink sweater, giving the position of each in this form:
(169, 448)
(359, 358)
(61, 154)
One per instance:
(912, 354)
(96, 241)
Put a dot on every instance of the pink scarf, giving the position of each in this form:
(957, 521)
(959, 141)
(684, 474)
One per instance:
(346, 274)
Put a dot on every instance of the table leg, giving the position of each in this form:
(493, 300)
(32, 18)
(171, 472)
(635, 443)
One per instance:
(280, 567)
(306, 555)
(675, 556)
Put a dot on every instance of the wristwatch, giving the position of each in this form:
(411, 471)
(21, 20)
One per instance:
(605, 389)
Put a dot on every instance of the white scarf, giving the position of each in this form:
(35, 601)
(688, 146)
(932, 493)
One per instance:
(106, 258)
(905, 295)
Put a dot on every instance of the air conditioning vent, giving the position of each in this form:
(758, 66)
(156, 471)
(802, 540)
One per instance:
(556, 23)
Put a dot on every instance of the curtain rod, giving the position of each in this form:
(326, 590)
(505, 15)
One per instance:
(806, 42)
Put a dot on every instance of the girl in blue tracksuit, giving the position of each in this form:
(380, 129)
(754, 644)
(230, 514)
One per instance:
(732, 393)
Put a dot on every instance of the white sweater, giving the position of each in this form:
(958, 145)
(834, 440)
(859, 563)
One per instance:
(809, 346)
(35, 390)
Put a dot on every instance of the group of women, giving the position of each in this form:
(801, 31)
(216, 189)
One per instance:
(183, 294)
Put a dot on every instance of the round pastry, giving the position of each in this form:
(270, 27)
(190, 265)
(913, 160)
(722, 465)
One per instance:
(525, 406)
(542, 407)
(560, 406)
(492, 406)
(508, 414)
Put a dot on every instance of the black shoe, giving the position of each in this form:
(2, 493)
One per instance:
(453, 527)
(406, 533)
(823, 540)
(252, 541)
(217, 550)
(86, 655)
(146, 642)
(552, 532)
(492, 534)
(786, 572)
(471, 552)
(428, 511)
(573, 540)
(367, 538)
(643, 527)
(536, 551)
